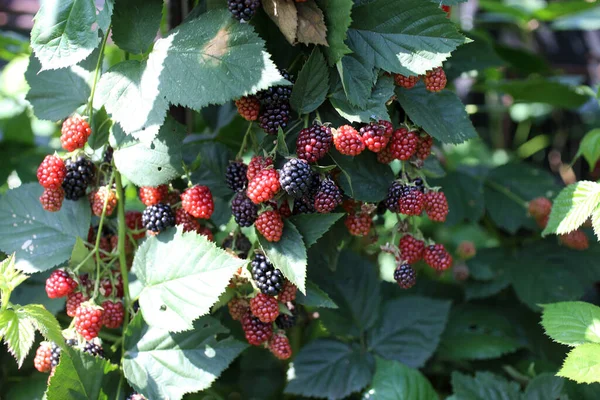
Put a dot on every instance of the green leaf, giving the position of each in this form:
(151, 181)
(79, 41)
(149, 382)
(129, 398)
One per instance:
(105, 15)
(50, 97)
(164, 365)
(408, 37)
(355, 288)
(315, 297)
(337, 16)
(364, 178)
(572, 323)
(585, 21)
(40, 239)
(375, 103)
(18, 333)
(81, 376)
(477, 333)
(357, 79)
(464, 193)
(413, 338)
(543, 91)
(288, 255)
(44, 322)
(135, 24)
(182, 276)
(313, 226)
(101, 125)
(130, 93)
(509, 187)
(572, 207)
(331, 369)
(484, 386)
(544, 387)
(395, 381)
(79, 254)
(213, 59)
(214, 158)
(10, 277)
(442, 115)
(543, 273)
(582, 364)
(590, 147)
(63, 33)
(489, 272)
(155, 163)
(311, 86)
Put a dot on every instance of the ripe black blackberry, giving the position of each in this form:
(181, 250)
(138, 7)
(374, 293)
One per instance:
(244, 210)
(241, 246)
(80, 173)
(277, 94)
(93, 349)
(55, 357)
(268, 279)
(296, 178)
(285, 321)
(405, 276)
(158, 217)
(243, 10)
(328, 197)
(235, 176)
(393, 196)
(274, 116)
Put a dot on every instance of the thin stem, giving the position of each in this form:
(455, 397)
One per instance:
(244, 143)
(96, 73)
(122, 257)
(98, 238)
(516, 198)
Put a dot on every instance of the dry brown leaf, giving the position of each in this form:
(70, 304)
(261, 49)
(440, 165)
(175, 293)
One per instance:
(285, 16)
(311, 24)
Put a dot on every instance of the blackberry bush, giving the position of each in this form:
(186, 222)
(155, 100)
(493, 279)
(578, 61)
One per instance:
(162, 269)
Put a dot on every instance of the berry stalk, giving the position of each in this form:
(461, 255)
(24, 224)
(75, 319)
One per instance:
(122, 257)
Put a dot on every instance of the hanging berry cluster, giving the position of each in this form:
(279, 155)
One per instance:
(257, 311)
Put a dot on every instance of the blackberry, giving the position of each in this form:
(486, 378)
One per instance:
(302, 206)
(241, 246)
(243, 10)
(393, 196)
(314, 142)
(80, 173)
(235, 177)
(55, 355)
(268, 279)
(273, 117)
(277, 94)
(108, 155)
(285, 321)
(296, 177)
(405, 276)
(93, 349)
(158, 217)
(419, 184)
(328, 197)
(244, 210)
